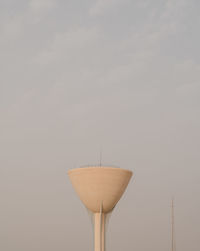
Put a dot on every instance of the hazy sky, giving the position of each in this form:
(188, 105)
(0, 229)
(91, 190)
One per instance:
(80, 76)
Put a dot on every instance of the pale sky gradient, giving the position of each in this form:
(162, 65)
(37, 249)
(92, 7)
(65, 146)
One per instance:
(79, 76)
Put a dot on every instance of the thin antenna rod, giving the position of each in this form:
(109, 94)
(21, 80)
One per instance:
(100, 157)
(172, 215)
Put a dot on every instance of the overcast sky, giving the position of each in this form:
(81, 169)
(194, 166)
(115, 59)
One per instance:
(80, 77)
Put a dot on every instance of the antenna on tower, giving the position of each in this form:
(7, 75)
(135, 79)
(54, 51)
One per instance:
(100, 158)
(173, 230)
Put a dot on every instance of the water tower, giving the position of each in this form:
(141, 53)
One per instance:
(99, 188)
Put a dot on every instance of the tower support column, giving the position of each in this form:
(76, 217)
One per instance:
(99, 231)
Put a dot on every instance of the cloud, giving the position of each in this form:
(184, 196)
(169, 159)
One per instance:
(42, 5)
(14, 23)
(66, 45)
(103, 5)
(86, 57)
(12, 27)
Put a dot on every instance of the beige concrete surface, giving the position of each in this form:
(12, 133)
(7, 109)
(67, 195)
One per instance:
(96, 185)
